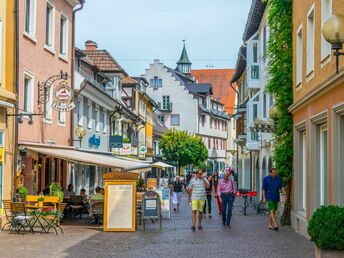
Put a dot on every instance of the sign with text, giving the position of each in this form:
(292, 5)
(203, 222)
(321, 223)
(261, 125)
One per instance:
(151, 183)
(120, 205)
(151, 204)
(63, 97)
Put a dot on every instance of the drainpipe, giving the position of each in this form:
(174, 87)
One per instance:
(15, 155)
(82, 2)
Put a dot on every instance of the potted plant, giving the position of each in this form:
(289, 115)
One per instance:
(326, 229)
(22, 191)
(40, 201)
(126, 139)
(56, 190)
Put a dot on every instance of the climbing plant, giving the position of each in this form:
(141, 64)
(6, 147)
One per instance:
(280, 85)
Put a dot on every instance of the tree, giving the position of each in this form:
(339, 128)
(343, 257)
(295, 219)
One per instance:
(280, 85)
(183, 148)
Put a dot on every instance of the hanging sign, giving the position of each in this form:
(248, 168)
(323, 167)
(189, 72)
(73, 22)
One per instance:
(63, 97)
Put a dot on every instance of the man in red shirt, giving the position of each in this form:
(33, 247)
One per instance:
(226, 191)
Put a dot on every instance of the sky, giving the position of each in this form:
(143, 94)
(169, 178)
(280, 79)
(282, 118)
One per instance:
(136, 32)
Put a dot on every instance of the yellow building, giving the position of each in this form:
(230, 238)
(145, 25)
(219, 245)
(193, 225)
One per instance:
(318, 112)
(7, 100)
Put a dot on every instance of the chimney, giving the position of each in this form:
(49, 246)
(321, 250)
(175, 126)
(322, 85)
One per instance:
(91, 45)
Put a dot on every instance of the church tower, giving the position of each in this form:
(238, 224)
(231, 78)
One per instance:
(184, 64)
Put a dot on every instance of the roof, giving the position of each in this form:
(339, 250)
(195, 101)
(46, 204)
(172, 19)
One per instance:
(129, 80)
(200, 88)
(254, 18)
(159, 128)
(184, 59)
(182, 78)
(104, 60)
(240, 65)
(220, 80)
(139, 79)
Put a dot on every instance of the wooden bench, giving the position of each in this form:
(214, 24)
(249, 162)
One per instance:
(32, 199)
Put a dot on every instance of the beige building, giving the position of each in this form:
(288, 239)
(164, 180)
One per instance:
(318, 113)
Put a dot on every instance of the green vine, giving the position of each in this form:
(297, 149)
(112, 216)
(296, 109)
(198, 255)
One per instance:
(280, 85)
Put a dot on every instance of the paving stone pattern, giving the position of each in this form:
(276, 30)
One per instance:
(248, 237)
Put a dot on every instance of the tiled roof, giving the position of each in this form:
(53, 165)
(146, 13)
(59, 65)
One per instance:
(220, 80)
(129, 80)
(103, 59)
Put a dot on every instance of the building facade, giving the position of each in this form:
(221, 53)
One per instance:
(225, 94)
(318, 113)
(187, 105)
(45, 53)
(7, 100)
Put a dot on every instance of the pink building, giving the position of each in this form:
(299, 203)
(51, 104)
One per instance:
(46, 49)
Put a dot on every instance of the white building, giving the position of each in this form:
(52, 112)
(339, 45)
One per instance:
(187, 105)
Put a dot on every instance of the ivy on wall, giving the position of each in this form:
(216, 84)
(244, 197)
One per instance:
(280, 85)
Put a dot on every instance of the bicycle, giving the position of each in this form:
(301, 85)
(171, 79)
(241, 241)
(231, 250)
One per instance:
(244, 193)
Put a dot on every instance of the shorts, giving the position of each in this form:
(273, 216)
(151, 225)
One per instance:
(197, 205)
(272, 205)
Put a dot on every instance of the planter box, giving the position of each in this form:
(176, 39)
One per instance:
(319, 253)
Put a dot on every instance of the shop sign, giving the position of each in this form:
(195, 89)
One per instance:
(126, 150)
(2, 155)
(94, 141)
(63, 97)
(116, 141)
(142, 150)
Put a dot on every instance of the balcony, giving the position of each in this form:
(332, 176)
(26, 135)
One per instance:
(165, 107)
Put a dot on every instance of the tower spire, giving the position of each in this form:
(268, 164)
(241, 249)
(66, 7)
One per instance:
(184, 64)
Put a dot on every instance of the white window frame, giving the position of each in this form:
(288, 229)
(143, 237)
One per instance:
(323, 181)
(175, 115)
(310, 56)
(30, 97)
(51, 37)
(325, 46)
(80, 111)
(97, 117)
(105, 124)
(90, 118)
(299, 56)
(304, 170)
(48, 110)
(61, 118)
(64, 44)
(32, 22)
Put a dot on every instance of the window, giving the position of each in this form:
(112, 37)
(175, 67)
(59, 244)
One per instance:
(78, 111)
(299, 57)
(209, 143)
(62, 117)
(271, 100)
(156, 82)
(255, 66)
(323, 165)
(255, 52)
(326, 11)
(97, 115)
(105, 120)
(310, 42)
(211, 123)
(304, 170)
(255, 112)
(30, 17)
(175, 120)
(49, 25)
(28, 93)
(87, 114)
(202, 118)
(47, 106)
(264, 105)
(165, 102)
(63, 36)
(161, 118)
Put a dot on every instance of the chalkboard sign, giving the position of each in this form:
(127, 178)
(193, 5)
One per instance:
(151, 203)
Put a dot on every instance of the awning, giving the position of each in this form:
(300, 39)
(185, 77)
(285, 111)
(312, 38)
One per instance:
(92, 158)
(161, 165)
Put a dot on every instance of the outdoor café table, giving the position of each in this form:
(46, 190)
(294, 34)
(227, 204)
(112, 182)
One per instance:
(37, 215)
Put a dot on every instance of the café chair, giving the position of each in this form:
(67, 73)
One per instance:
(53, 220)
(6, 206)
(21, 220)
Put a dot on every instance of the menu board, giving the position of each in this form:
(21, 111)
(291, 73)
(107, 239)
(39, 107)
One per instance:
(120, 205)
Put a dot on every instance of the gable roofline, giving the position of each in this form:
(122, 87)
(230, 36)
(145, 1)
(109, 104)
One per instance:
(240, 65)
(254, 18)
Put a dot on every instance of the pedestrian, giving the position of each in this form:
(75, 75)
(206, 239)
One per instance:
(188, 178)
(226, 192)
(215, 184)
(197, 196)
(209, 192)
(177, 187)
(272, 185)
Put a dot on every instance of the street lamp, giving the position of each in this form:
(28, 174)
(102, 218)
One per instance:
(333, 32)
(80, 132)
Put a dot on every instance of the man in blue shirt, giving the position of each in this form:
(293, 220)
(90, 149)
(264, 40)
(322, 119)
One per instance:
(272, 184)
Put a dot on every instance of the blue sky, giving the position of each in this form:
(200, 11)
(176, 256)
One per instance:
(137, 31)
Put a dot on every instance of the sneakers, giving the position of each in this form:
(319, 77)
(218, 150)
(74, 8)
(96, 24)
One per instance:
(193, 228)
(210, 216)
(200, 228)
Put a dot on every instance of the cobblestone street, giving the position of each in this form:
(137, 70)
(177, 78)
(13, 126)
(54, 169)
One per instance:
(248, 237)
